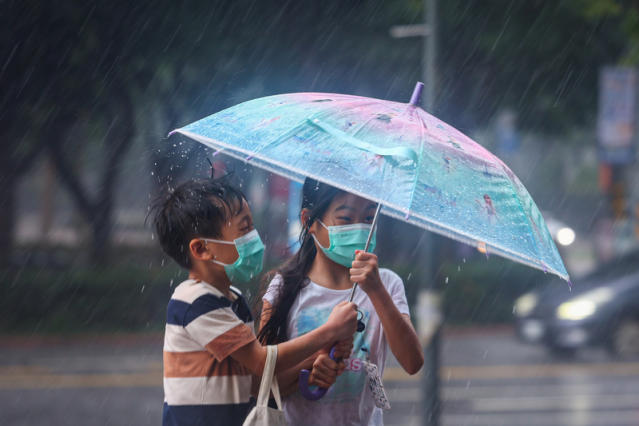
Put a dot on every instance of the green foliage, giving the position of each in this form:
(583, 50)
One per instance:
(585, 181)
(125, 298)
(539, 58)
(484, 291)
(626, 12)
(128, 298)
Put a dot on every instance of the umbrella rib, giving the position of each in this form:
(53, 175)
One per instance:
(279, 139)
(361, 127)
(541, 264)
(327, 112)
(419, 158)
(530, 219)
(447, 231)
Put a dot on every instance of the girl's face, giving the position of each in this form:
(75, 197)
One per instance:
(345, 209)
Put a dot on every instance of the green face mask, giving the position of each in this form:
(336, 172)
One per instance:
(251, 256)
(344, 240)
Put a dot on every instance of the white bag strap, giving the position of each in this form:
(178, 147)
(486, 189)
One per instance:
(275, 388)
(269, 382)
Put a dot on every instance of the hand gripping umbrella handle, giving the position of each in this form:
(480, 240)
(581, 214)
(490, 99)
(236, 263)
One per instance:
(368, 242)
(312, 395)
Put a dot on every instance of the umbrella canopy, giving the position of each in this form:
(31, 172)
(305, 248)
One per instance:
(422, 170)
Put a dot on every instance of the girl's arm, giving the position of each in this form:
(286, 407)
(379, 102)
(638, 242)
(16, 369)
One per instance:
(398, 329)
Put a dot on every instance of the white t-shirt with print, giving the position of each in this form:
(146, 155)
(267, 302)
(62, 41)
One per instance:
(348, 401)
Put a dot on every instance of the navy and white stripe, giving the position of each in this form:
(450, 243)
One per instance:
(202, 383)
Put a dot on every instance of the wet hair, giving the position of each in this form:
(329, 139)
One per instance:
(316, 197)
(196, 208)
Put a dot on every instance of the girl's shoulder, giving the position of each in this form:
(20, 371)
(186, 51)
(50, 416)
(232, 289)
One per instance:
(273, 288)
(276, 280)
(390, 278)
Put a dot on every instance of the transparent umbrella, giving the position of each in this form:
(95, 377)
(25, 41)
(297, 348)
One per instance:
(420, 169)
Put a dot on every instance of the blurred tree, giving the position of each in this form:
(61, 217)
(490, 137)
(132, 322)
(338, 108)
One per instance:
(540, 58)
(17, 153)
(626, 14)
(69, 59)
(23, 118)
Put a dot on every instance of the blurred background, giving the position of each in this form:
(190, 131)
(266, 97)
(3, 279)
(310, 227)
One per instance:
(90, 91)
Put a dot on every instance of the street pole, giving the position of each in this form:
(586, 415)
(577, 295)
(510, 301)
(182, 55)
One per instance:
(429, 56)
(428, 309)
(430, 377)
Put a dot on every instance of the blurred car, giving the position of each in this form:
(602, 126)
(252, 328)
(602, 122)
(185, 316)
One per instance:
(601, 309)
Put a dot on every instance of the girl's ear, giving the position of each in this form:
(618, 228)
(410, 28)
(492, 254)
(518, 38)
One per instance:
(198, 250)
(305, 218)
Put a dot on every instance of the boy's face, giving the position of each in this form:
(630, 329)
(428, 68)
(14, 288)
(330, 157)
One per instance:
(238, 225)
(345, 209)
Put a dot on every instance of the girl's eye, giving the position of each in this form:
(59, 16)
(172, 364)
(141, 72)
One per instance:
(369, 219)
(344, 218)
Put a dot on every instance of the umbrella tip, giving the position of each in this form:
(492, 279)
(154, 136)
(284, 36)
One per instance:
(417, 94)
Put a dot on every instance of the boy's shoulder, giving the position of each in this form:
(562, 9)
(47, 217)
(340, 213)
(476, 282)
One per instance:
(189, 290)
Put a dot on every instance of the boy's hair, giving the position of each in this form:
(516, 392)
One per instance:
(196, 208)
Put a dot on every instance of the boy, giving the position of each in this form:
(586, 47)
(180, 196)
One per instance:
(210, 349)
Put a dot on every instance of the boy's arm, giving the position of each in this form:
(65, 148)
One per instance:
(341, 324)
(287, 378)
(324, 370)
(398, 328)
(211, 322)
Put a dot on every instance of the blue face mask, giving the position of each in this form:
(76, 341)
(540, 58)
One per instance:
(249, 262)
(344, 240)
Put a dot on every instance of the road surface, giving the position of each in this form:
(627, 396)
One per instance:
(487, 378)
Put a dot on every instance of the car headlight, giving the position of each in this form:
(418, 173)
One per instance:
(585, 305)
(525, 304)
(576, 310)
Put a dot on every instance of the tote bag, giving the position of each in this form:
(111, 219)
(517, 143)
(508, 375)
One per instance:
(262, 414)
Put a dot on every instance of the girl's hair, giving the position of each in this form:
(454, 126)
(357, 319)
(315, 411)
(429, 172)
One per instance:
(316, 197)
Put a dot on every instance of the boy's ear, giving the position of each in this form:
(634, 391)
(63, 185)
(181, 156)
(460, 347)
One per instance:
(199, 250)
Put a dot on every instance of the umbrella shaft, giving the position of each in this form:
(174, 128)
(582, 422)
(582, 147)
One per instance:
(368, 242)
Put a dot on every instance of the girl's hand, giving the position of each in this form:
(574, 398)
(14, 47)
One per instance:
(342, 321)
(325, 371)
(365, 272)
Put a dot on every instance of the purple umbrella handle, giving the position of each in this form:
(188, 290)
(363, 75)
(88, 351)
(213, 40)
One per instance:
(312, 395)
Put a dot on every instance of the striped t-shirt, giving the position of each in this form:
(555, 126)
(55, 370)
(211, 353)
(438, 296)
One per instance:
(203, 385)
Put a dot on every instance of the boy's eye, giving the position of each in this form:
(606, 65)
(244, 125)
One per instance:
(344, 218)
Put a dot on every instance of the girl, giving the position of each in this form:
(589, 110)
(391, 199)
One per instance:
(320, 275)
